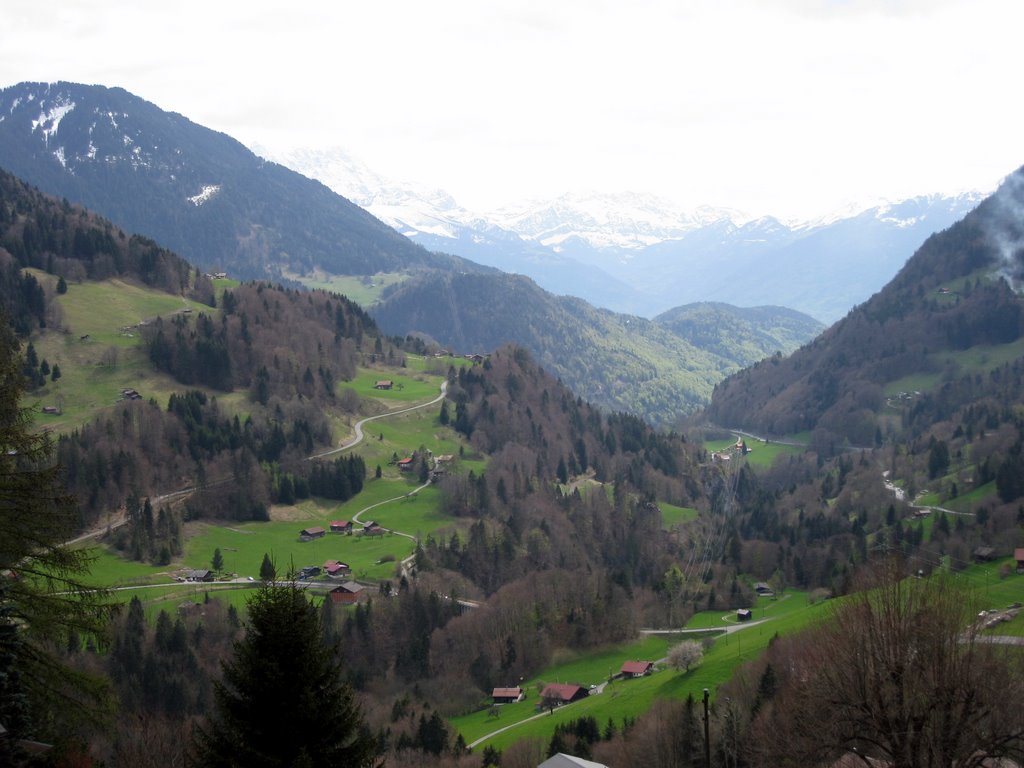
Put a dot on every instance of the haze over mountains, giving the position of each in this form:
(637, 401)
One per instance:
(217, 203)
(641, 254)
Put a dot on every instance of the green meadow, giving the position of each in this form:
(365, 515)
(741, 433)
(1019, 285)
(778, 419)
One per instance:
(364, 290)
(761, 454)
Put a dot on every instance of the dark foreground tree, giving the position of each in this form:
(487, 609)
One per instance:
(43, 599)
(282, 701)
(899, 674)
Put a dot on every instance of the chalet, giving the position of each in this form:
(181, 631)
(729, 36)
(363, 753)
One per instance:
(507, 695)
(373, 530)
(341, 526)
(764, 588)
(475, 358)
(308, 534)
(199, 575)
(562, 760)
(308, 572)
(384, 384)
(557, 694)
(52, 409)
(637, 668)
(984, 554)
(130, 394)
(336, 569)
(1018, 555)
(744, 614)
(347, 593)
(405, 465)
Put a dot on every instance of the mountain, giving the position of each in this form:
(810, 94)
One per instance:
(617, 361)
(642, 254)
(944, 334)
(743, 335)
(196, 191)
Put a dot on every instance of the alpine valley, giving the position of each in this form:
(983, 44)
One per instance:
(287, 481)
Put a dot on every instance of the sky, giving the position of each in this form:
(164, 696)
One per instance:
(794, 108)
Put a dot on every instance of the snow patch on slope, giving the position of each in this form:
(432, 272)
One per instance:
(50, 121)
(207, 192)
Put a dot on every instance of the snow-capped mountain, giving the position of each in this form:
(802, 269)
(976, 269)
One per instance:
(639, 253)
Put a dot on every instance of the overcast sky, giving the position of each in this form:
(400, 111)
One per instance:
(788, 107)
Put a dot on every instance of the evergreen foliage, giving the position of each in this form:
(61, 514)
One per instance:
(282, 700)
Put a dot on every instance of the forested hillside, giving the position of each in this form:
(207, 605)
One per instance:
(196, 191)
(941, 335)
(618, 362)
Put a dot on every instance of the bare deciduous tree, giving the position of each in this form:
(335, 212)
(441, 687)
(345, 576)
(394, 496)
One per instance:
(899, 674)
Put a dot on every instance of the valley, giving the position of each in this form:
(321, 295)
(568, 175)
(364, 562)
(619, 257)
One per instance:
(539, 490)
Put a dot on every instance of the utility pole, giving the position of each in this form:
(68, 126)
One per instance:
(707, 731)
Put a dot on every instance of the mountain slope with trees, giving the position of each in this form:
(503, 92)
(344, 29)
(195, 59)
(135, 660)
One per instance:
(956, 294)
(196, 191)
(619, 362)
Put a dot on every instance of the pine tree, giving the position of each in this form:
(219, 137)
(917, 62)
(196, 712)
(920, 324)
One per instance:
(267, 570)
(218, 560)
(48, 600)
(282, 700)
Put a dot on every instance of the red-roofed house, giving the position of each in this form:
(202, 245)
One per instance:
(383, 384)
(636, 668)
(335, 568)
(507, 695)
(341, 526)
(1018, 555)
(346, 594)
(405, 465)
(557, 694)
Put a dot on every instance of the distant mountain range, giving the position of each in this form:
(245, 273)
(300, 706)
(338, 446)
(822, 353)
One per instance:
(640, 254)
(222, 206)
(196, 191)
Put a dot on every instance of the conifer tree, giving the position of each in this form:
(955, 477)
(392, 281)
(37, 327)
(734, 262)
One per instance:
(282, 700)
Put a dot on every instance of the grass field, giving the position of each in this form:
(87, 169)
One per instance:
(672, 515)
(630, 698)
(761, 454)
(364, 290)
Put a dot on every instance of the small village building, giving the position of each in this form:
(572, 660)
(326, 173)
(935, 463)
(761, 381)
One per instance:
(384, 384)
(201, 574)
(308, 572)
(347, 593)
(1018, 555)
(308, 534)
(744, 614)
(373, 530)
(507, 695)
(764, 588)
(405, 465)
(984, 554)
(562, 760)
(341, 526)
(336, 569)
(637, 668)
(557, 694)
(51, 409)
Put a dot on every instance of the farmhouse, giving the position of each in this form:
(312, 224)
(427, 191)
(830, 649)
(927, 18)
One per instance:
(335, 569)
(984, 554)
(405, 465)
(341, 526)
(507, 695)
(373, 530)
(384, 384)
(308, 572)
(308, 534)
(50, 409)
(347, 593)
(199, 575)
(744, 614)
(636, 668)
(557, 694)
(764, 588)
